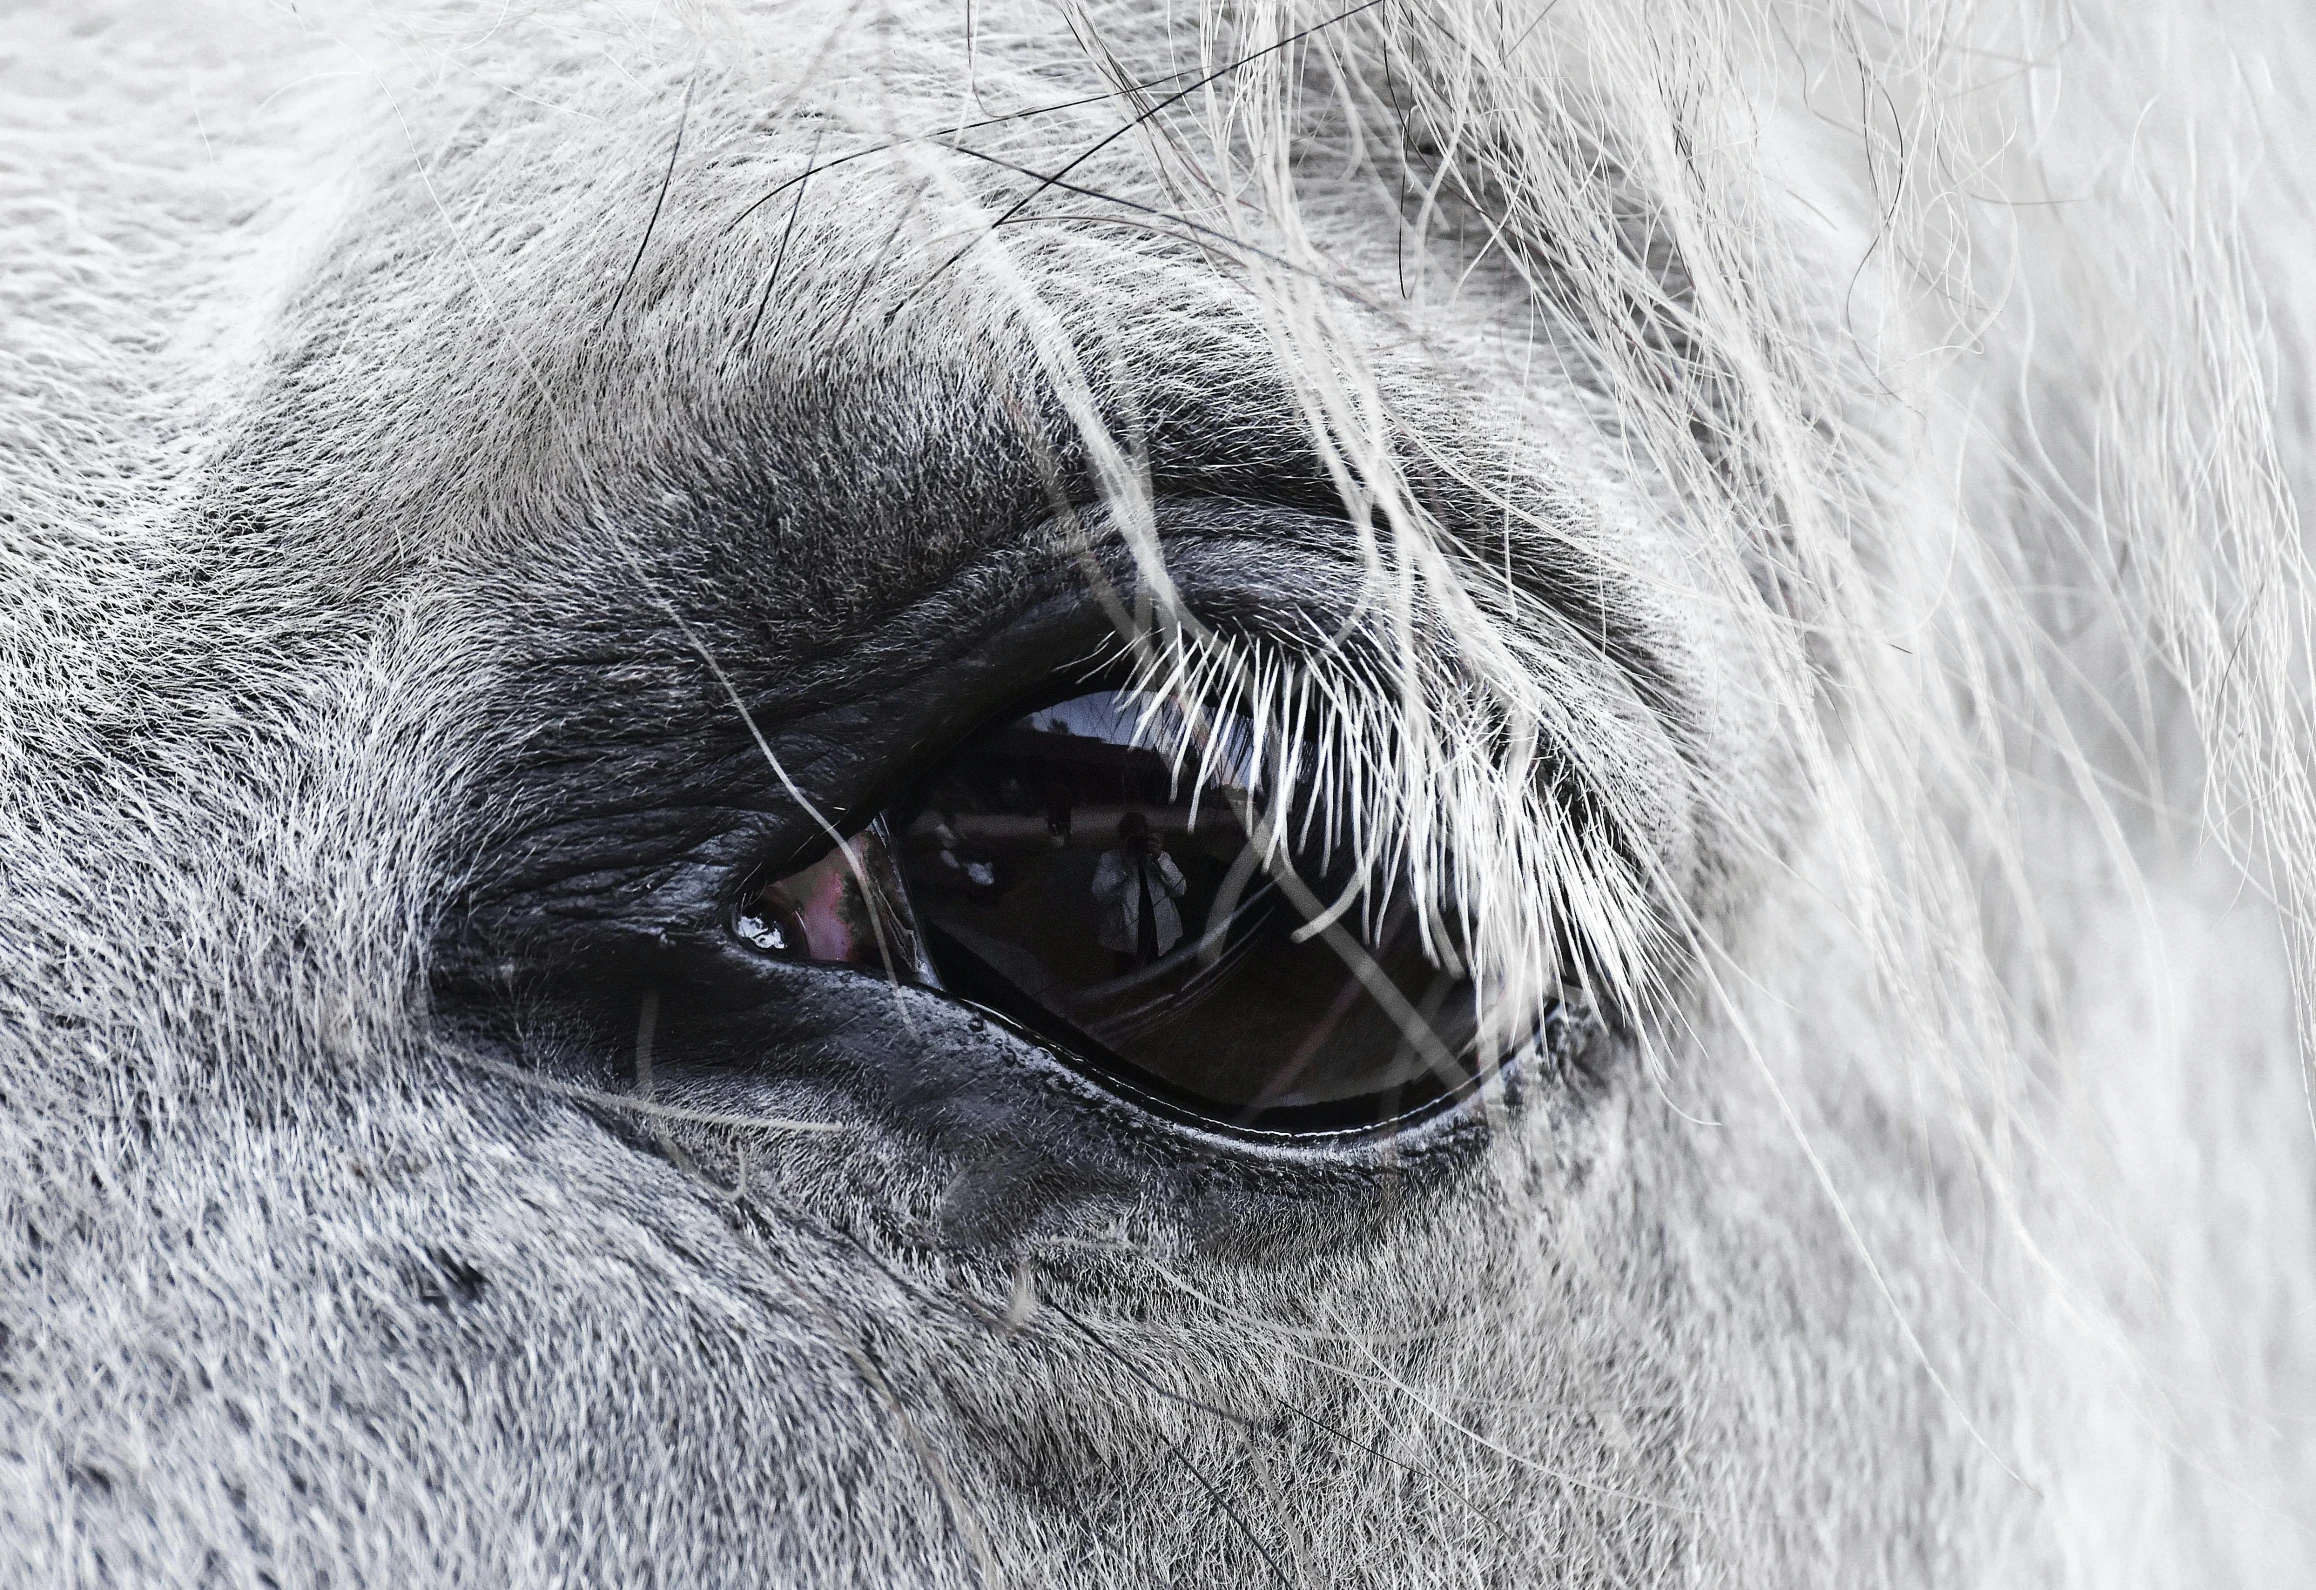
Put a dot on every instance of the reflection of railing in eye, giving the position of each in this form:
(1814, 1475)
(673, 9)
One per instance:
(1282, 1082)
(1234, 932)
(1413, 1026)
(1225, 908)
(1216, 953)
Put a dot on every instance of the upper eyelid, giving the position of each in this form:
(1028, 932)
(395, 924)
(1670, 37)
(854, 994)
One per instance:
(1274, 574)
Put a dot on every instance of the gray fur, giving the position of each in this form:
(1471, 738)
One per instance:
(405, 477)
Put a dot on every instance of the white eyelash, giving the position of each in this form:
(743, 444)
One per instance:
(1500, 875)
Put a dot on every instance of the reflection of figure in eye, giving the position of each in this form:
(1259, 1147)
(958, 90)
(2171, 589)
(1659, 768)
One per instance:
(1136, 885)
(1059, 798)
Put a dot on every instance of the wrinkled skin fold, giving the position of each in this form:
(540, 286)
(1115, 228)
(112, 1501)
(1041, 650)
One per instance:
(479, 486)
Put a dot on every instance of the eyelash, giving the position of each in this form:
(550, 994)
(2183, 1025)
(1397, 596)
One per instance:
(1546, 891)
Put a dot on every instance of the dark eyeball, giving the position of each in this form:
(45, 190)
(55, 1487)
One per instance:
(1119, 889)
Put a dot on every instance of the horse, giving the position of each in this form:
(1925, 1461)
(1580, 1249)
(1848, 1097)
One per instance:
(1730, 578)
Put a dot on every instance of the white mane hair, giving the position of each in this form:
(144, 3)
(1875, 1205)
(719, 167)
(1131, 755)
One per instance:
(1806, 567)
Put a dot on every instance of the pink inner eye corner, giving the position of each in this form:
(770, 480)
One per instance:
(848, 909)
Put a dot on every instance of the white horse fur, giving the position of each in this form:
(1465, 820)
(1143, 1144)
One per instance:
(1795, 532)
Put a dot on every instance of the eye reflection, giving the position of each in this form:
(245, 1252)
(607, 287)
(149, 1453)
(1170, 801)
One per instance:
(1068, 873)
(1107, 876)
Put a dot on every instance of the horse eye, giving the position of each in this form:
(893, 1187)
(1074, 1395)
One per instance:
(1103, 874)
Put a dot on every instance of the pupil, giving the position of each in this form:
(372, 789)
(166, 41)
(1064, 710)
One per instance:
(1109, 876)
